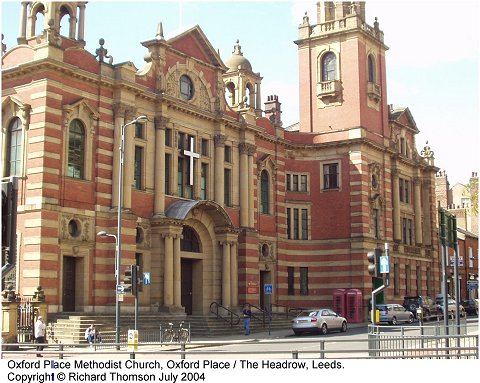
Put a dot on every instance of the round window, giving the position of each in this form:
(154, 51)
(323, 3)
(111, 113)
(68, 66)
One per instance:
(73, 228)
(265, 250)
(186, 87)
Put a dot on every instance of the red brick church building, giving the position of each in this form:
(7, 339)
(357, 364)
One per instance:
(218, 197)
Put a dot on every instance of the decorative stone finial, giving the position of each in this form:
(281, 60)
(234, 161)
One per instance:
(159, 34)
(237, 49)
(306, 19)
(39, 295)
(8, 295)
(101, 53)
(4, 46)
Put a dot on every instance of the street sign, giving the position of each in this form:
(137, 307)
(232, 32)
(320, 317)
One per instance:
(472, 285)
(146, 278)
(120, 289)
(268, 288)
(384, 264)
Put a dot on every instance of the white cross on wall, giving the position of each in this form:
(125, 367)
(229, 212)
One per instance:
(192, 155)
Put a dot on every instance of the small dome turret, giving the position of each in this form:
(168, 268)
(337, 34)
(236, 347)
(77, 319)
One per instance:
(237, 60)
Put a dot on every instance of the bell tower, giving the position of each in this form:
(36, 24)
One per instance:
(242, 84)
(52, 13)
(342, 71)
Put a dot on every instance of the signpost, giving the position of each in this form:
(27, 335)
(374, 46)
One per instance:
(268, 290)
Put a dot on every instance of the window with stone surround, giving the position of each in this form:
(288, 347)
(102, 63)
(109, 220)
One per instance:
(76, 150)
(14, 148)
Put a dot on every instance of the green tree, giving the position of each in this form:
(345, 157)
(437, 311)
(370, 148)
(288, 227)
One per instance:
(471, 190)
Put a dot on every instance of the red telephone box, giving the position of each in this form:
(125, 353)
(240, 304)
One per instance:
(339, 302)
(354, 306)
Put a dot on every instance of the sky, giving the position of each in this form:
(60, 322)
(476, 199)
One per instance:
(432, 63)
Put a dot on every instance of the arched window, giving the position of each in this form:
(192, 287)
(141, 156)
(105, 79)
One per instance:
(264, 192)
(371, 69)
(76, 150)
(329, 67)
(230, 94)
(186, 87)
(14, 148)
(189, 241)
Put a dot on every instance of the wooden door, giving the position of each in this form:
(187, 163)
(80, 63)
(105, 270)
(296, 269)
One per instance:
(187, 283)
(68, 300)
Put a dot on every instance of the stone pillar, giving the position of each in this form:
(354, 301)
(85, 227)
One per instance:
(244, 182)
(81, 23)
(168, 271)
(397, 228)
(177, 277)
(9, 315)
(417, 204)
(119, 120)
(234, 275)
(129, 159)
(159, 199)
(23, 24)
(226, 280)
(219, 141)
(427, 213)
(251, 199)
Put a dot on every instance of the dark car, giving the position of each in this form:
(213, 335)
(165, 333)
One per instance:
(429, 307)
(452, 308)
(470, 306)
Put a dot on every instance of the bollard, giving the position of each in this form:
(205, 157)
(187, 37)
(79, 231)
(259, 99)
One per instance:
(132, 355)
(322, 348)
(182, 349)
(60, 348)
(295, 354)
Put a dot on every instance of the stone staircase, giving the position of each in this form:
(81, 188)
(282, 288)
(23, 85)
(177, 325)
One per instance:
(69, 328)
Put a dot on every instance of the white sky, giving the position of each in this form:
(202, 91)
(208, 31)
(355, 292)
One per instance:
(432, 63)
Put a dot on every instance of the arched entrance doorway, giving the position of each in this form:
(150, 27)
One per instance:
(198, 257)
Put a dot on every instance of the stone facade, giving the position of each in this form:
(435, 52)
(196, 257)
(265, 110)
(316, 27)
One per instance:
(295, 208)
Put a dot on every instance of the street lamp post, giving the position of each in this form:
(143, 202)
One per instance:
(118, 257)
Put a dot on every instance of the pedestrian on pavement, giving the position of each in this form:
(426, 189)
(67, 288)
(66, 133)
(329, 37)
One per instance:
(40, 334)
(247, 316)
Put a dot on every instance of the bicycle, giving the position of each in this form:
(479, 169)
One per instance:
(183, 334)
(168, 334)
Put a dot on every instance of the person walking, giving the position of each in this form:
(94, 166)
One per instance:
(40, 334)
(247, 316)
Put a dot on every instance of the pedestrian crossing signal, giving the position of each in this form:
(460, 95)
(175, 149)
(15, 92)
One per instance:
(374, 262)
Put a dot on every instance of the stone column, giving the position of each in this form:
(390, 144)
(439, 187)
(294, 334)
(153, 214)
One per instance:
(177, 277)
(219, 141)
(244, 183)
(159, 199)
(226, 280)
(81, 23)
(129, 160)
(119, 120)
(417, 205)
(397, 228)
(23, 24)
(168, 271)
(234, 275)
(251, 199)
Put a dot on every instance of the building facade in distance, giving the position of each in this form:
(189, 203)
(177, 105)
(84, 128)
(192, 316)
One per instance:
(219, 199)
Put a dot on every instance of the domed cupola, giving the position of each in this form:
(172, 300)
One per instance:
(242, 85)
(238, 61)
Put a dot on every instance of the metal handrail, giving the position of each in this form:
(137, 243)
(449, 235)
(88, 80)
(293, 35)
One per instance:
(289, 309)
(264, 317)
(233, 319)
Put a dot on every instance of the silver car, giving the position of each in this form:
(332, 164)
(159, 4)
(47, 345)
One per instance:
(318, 320)
(394, 313)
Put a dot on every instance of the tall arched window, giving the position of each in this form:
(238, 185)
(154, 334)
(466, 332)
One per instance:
(264, 192)
(76, 150)
(189, 241)
(371, 69)
(14, 148)
(329, 67)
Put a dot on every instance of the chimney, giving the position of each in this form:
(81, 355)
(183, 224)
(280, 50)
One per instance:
(273, 110)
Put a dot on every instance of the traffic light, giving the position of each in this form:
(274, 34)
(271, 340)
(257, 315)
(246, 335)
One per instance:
(131, 281)
(374, 262)
(128, 280)
(135, 280)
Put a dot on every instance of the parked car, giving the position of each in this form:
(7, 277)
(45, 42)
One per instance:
(470, 306)
(452, 308)
(429, 308)
(318, 320)
(394, 313)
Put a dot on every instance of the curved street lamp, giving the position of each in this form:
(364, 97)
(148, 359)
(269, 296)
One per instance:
(118, 237)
